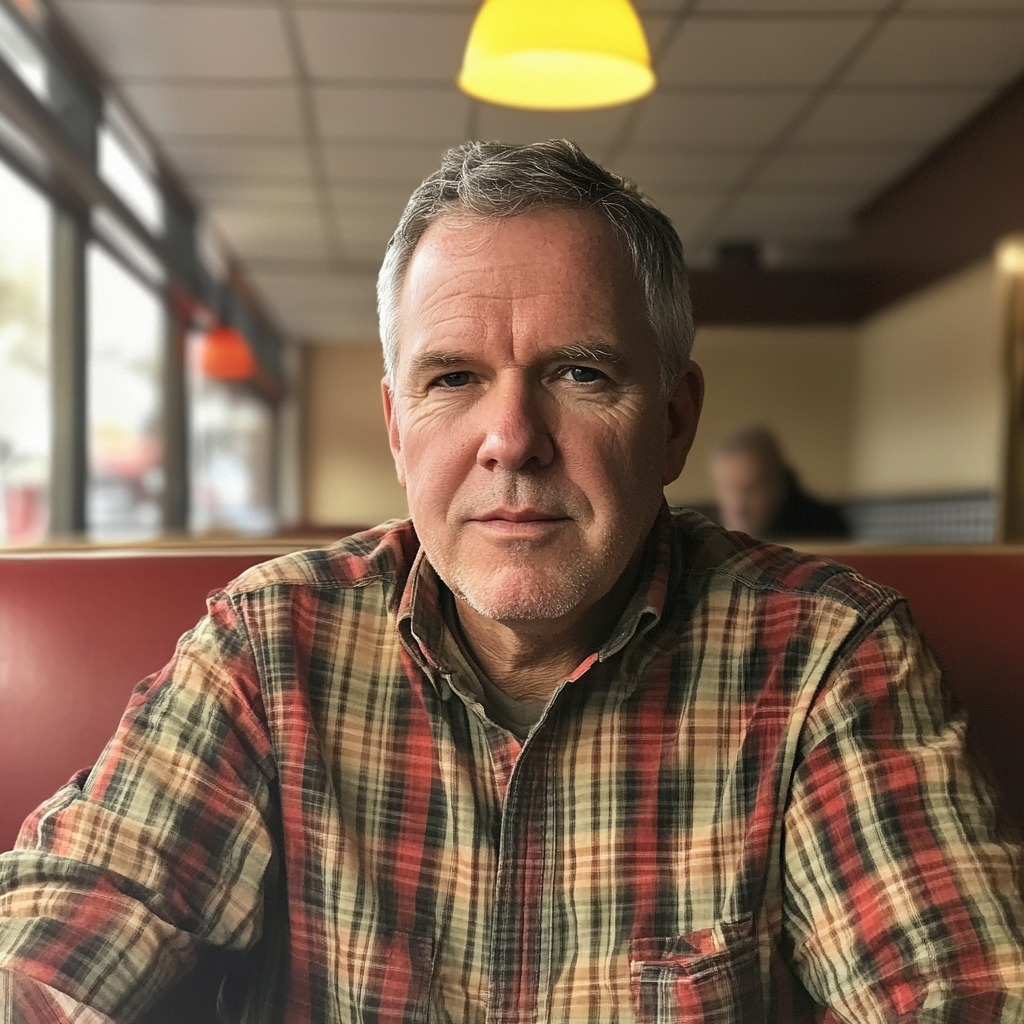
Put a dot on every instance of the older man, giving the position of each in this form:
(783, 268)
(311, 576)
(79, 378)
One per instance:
(547, 752)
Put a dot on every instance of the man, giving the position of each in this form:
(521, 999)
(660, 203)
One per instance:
(759, 494)
(549, 752)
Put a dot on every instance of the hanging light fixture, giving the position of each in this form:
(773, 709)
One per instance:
(224, 354)
(557, 54)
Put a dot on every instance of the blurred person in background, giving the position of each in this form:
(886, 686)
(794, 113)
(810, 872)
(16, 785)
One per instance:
(760, 494)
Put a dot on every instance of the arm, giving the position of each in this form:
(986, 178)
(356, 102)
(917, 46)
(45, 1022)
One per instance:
(902, 895)
(120, 878)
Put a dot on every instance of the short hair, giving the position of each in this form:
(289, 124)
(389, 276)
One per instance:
(490, 179)
(758, 441)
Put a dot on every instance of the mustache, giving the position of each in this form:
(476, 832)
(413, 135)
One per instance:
(520, 491)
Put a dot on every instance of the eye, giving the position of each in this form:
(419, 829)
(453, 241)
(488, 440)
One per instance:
(455, 379)
(583, 374)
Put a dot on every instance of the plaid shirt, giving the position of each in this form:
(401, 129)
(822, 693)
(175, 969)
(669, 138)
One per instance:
(754, 791)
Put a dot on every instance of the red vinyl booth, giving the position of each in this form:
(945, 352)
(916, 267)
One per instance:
(79, 629)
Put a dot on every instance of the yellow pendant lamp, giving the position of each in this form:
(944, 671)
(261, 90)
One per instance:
(557, 54)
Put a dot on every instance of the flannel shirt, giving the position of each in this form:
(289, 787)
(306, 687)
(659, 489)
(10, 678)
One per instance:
(753, 797)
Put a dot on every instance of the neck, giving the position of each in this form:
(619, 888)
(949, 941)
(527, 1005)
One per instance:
(529, 659)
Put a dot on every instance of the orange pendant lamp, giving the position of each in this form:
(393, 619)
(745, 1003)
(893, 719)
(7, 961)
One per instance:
(557, 54)
(226, 355)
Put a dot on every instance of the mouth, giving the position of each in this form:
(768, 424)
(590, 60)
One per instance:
(519, 522)
(520, 515)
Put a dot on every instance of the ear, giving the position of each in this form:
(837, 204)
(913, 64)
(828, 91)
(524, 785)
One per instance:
(394, 438)
(684, 405)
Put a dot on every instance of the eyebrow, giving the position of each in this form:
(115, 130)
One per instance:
(591, 353)
(430, 361)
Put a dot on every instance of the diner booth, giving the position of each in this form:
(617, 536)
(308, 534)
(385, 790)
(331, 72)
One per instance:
(169, 431)
(79, 628)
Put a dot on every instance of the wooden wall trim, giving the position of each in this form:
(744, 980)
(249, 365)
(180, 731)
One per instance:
(951, 208)
(777, 297)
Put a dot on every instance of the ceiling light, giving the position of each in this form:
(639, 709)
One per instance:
(557, 54)
(224, 354)
(1010, 254)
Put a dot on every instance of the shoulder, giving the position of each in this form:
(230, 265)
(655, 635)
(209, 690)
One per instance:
(713, 558)
(382, 556)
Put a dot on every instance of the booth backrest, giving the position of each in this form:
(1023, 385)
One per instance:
(79, 630)
(969, 602)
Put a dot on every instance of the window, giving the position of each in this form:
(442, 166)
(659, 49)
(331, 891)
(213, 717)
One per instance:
(124, 407)
(130, 178)
(231, 456)
(25, 404)
(20, 52)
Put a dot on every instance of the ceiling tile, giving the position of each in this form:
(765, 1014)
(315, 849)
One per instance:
(943, 51)
(881, 117)
(366, 219)
(259, 194)
(790, 6)
(365, 233)
(389, 199)
(183, 40)
(687, 211)
(241, 161)
(319, 289)
(400, 6)
(758, 51)
(384, 45)
(789, 214)
(658, 25)
(668, 169)
(867, 166)
(333, 328)
(382, 113)
(218, 111)
(383, 163)
(278, 233)
(974, 6)
(715, 119)
(590, 128)
(322, 305)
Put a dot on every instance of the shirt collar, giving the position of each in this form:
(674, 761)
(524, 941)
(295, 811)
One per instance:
(421, 623)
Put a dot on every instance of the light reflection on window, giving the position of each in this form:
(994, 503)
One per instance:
(231, 456)
(126, 332)
(20, 53)
(127, 176)
(25, 403)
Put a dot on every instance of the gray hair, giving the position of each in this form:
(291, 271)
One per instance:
(489, 179)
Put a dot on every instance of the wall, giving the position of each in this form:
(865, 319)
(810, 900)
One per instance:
(909, 402)
(929, 400)
(796, 380)
(349, 471)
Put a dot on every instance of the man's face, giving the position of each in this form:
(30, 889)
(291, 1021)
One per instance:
(526, 417)
(749, 494)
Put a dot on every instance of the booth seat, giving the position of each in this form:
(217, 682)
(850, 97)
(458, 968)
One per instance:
(78, 630)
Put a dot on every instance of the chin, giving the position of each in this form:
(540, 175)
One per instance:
(515, 595)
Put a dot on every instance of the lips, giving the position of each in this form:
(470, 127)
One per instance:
(519, 524)
(525, 515)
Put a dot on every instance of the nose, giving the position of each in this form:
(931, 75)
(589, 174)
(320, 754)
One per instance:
(517, 435)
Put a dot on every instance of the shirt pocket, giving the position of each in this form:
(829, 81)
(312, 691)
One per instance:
(711, 976)
(393, 979)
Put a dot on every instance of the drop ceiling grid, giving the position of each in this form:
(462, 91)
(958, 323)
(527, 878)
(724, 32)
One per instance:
(308, 121)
